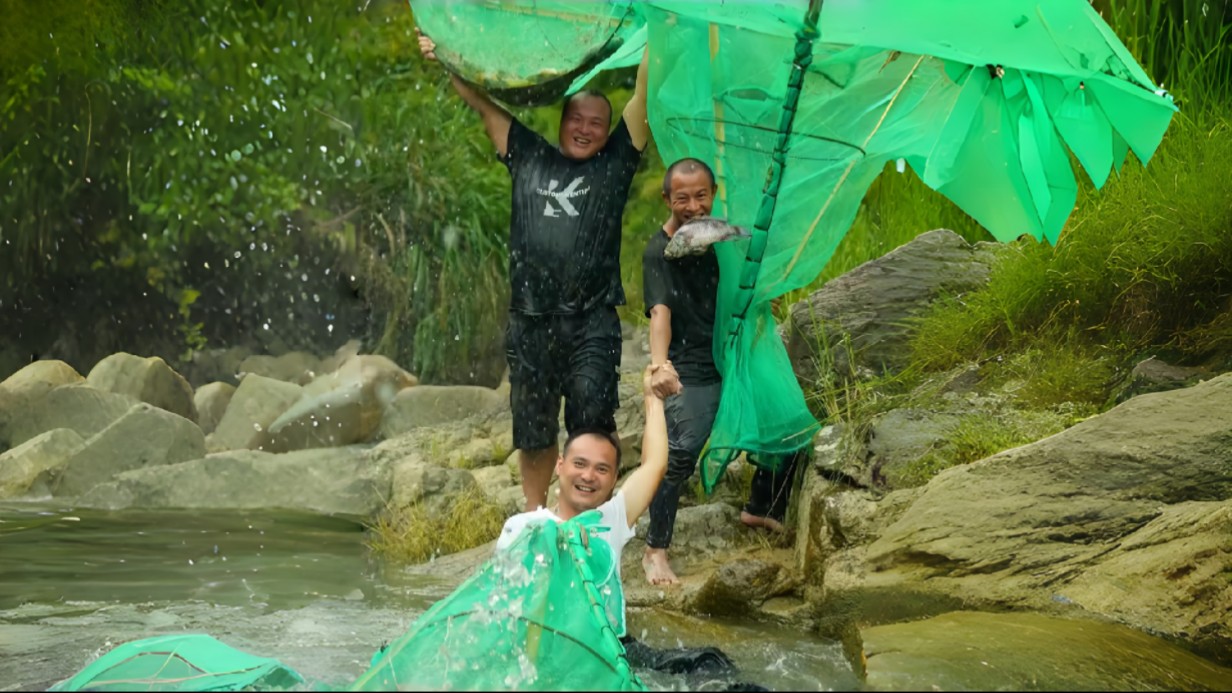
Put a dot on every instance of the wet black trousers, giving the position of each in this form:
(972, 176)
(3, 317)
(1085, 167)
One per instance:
(707, 668)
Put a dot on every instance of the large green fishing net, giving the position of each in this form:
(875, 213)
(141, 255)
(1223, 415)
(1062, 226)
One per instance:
(799, 104)
(534, 618)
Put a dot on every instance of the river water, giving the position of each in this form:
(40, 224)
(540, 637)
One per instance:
(301, 589)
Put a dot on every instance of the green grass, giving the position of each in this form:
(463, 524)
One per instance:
(412, 534)
(973, 438)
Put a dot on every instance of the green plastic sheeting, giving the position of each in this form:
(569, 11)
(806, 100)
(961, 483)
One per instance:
(190, 662)
(532, 618)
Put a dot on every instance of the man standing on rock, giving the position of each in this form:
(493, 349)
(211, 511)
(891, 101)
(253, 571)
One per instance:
(680, 297)
(563, 337)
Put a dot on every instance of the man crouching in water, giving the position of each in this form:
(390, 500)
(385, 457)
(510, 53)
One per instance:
(587, 470)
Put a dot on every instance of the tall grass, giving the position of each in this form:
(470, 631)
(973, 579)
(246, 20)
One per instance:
(1144, 263)
(415, 533)
(1184, 45)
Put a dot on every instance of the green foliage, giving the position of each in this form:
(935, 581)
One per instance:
(296, 151)
(1146, 262)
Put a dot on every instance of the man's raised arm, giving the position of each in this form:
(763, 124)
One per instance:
(635, 111)
(639, 489)
(496, 120)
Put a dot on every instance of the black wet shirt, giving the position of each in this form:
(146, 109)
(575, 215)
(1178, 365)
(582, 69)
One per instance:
(688, 286)
(564, 236)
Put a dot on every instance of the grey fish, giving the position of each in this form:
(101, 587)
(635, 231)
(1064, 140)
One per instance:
(695, 236)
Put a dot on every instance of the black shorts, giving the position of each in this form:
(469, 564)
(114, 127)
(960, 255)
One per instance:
(572, 356)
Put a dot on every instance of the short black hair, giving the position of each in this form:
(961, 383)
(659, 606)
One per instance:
(586, 94)
(593, 431)
(688, 165)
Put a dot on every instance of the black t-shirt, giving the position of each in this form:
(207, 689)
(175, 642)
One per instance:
(564, 236)
(689, 287)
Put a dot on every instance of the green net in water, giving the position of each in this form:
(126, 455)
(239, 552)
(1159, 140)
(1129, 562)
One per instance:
(189, 662)
(532, 618)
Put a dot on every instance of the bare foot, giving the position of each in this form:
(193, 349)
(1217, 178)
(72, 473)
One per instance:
(766, 522)
(658, 571)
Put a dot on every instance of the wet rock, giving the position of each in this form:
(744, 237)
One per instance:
(338, 481)
(22, 467)
(80, 408)
(256, 404)
(340, 408)
(1021, 651)
(1184, 553)
(148, 380)
(212, 365)
(40, 377)
(146, 436)
(211, 401)
(414, 481)
(1021, 526)
(431, 405)
(737, 588)
(873, 304)
(26, 386)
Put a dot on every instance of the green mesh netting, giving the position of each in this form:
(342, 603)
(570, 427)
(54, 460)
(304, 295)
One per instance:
(190, 662)
(556, 41)
(800, 104)
(532, 618)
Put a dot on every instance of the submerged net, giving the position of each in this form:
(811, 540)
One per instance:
(191, 662)
(532, 618)
(799, 104)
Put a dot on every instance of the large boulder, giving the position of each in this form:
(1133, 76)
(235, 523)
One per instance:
(972, 651)
(874, 303)
(41, 376)
(146, 436)
(431, 405)
(336, 481)
(148, 380)
(23, 466)
(81, 408)
(28, 385)
(1127, 503)
(342, 407)
(256, 404)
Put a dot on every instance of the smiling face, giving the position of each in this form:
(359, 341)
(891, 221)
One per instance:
(587, 471)
(690, 194)
(584, 126)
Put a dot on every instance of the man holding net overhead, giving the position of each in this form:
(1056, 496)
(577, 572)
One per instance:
(563, 337)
